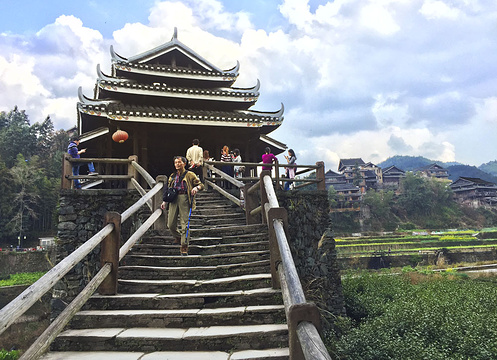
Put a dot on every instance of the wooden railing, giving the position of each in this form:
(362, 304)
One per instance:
(248, 185)
(105, 280)
(303, 318)
(120, 173)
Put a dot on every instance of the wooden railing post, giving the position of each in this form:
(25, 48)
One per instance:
(66, 171)
(109, 253)
(277, 174)
(132, 171)
(277, 213)
(160, 224)
(320, 175)
(264, 199)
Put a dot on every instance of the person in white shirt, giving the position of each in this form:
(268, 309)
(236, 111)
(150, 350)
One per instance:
(195, 157)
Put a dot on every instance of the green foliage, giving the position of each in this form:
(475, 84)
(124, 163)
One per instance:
(415, 316)
(380, 204)
(490, 167)
(22, 279)
(9, 355)
(30, 167)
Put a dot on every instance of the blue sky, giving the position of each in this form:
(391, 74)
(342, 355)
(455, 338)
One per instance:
(358, 78)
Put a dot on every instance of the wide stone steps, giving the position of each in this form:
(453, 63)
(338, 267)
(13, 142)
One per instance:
(215, 303)
(220, 299)
(180, 318)
(199, 248)
(243, 282)
(196, 260)
(211, 338)
(272, 354)
(187, 272)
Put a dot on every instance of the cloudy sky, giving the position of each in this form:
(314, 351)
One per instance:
(358, 78)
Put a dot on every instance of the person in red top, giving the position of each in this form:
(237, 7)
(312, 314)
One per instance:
(268, 158)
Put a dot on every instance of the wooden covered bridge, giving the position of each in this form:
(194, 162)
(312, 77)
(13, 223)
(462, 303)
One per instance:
(236, 296)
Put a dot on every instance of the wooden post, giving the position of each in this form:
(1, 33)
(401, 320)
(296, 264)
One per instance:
(264, 199)
(276, 213)
(277, 174)
(320, 176)
(296, 314)
(66, 171)
(160, 224)
(132, 171)
(109, 253)
(204, 175)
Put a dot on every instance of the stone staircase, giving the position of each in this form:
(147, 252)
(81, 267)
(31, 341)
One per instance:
(216, 303)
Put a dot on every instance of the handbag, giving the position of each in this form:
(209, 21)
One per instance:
(170, 194)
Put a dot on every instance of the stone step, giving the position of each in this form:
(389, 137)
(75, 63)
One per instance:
(196, 249)
(195, 260)
(208, 240)
(196, 223)
(269, 354)
(180, 318)
(229, 230)
(263, 296)
(242, 282)
(197, 272)
(211, 338)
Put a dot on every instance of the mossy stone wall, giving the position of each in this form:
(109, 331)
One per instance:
(313, 248)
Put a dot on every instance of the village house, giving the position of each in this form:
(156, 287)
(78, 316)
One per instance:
(474, 192)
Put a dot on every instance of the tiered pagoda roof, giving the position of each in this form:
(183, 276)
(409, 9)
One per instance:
(172, 92)
(172, 84)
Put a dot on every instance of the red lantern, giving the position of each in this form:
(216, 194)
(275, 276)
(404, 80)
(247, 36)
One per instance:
(120, 136)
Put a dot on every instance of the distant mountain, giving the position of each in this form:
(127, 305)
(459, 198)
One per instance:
(456, 170)
(490, 167)
(411, 163)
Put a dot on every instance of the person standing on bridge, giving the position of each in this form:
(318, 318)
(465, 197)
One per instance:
(195, 157)
(187, 184)
(72, 149)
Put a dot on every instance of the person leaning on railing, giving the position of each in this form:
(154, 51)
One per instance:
(72, 149)
(187, 184)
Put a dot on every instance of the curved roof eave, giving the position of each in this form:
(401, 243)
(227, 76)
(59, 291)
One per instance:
(102, 76)
(87, 101)
(278, 113)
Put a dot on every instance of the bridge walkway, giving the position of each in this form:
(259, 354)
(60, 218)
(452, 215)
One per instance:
(217, 303)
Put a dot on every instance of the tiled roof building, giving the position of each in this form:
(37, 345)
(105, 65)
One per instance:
(164, 98)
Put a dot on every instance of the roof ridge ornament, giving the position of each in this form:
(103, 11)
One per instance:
(175, 34)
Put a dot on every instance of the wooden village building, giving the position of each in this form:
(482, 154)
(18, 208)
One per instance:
(474, 192)
(166, 97)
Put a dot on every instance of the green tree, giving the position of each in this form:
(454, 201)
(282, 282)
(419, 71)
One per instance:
(380, 205)
(6, 200)
(16, 136)
(26, 178)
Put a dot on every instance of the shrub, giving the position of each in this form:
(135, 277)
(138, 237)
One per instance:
(439, 317)
(9, 355)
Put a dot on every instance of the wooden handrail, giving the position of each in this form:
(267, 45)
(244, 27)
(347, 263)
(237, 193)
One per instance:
(149, 179)
(98, 160)
(142, 201)
(55, 328)
(17, 307)
(302, 316)
(224, 192)
(28, 297)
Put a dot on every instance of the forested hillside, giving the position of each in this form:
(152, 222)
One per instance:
(456, 170)
(30, 168)
(490, 167)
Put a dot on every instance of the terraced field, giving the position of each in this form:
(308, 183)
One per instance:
(416, 242)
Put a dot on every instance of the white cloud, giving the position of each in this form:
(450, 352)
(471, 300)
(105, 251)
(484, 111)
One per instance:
(359, 78)
(436, 9)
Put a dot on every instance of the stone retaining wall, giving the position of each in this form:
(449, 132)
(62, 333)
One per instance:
(12, 262)
(313, 248)
(423, 259)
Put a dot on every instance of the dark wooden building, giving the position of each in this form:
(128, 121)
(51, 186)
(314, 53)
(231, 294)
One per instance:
(474, 191)
(166, 97)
